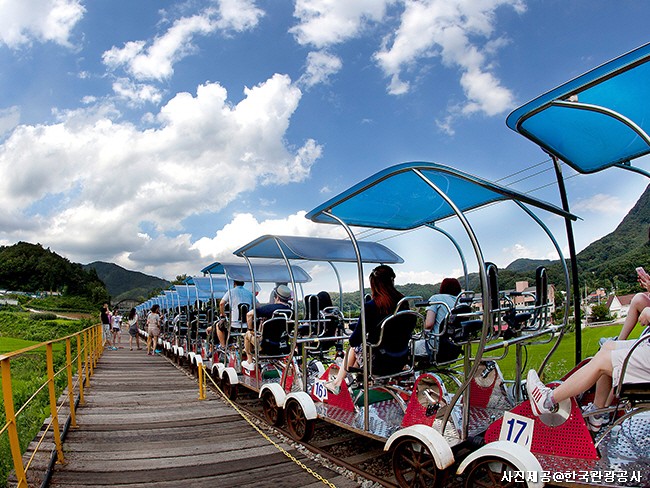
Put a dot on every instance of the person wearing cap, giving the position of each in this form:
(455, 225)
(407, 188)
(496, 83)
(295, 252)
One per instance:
(281, 301)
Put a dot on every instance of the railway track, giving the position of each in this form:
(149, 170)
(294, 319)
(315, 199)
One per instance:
(364, 458)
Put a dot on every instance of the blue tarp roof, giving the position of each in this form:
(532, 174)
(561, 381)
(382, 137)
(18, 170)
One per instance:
(188, 294)
(264, 273)
(597, 120)
(317, 249)
(398, 198)
(206, 284)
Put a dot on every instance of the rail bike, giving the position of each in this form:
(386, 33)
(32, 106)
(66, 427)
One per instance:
(409, 407)
(596, 121)
(274, 362)
(321, 328)
(461, 415)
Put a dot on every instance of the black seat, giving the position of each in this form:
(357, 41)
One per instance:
(275, 339)
(393, 351)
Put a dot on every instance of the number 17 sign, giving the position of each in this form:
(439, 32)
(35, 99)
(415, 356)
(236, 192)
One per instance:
(517, 429)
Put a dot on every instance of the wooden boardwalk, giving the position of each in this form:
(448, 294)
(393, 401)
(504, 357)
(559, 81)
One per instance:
(143, 425)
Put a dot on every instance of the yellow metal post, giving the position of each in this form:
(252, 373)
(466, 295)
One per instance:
(53, 410)
(68, 367)
(87, 346)
(80, 369)
(201, 382)
(12, 430)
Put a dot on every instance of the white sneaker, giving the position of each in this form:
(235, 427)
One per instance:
(249, 366)
(537, 394)
(594, 422)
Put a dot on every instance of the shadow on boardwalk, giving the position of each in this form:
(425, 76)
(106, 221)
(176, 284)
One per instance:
(143, 425)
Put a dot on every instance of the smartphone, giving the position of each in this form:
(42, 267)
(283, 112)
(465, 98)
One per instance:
(641, 272)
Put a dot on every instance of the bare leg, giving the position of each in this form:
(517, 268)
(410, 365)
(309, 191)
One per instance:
(222, 337)
(248, 345)
(638, 303)
(352, 361)
(588, 375)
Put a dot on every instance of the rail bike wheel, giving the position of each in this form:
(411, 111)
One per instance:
(300, 427)
(272, 412)
(229, 390)
(415, 466)
(493, 472)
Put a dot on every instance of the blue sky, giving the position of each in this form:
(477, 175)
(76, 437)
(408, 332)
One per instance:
(162, 135)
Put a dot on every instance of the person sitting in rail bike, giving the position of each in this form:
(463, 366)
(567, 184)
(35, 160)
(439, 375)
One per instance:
(603, 370)
(232, 298)
(385, 298)
(281, 301)
(436, 313)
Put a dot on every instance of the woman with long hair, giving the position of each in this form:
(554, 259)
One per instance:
(383, 302)
(133, 329)
(153, 329)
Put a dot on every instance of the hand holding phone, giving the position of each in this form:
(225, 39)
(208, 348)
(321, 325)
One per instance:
(641, 272)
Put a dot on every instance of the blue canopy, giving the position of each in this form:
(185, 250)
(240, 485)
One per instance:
(317, 249)
(597, 120)
(402, 197)
(264, 273)
(209, 285)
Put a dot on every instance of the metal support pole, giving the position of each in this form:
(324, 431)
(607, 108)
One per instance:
(68, 367)
(80, 369)
(572, 257)
(53, 409)
(12, 430)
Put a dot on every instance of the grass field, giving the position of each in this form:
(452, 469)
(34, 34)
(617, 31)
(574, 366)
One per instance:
(9, 344)
(563, 359)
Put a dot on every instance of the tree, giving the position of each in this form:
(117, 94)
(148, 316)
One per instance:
(600, 313)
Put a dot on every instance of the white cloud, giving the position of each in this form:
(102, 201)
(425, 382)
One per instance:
(320, 66)
(324, 23)
(422, 277)
(238, 15)
(243, 228)
(156, 62)
(90, 182)
(9, 118)
(517, 251)
(600, 203)
(449, 30)
(25, 21)
(136, 93)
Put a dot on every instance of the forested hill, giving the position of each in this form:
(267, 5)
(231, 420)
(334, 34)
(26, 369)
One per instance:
(31, 268)
(122, 283)
(628, 246)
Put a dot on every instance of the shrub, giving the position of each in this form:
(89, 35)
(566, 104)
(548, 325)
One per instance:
(42, 316)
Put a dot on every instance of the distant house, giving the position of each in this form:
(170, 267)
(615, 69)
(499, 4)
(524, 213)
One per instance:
(619, 304)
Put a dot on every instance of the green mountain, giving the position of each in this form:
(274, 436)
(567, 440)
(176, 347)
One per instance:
(122, 283)
(31, 268)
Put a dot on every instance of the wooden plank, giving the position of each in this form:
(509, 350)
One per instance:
(143, 425)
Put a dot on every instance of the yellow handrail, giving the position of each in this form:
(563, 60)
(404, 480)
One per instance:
(89, 348)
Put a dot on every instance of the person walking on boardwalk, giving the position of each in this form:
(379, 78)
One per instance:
(133, 329)
(105, 317)
(116, 327)
(153, 329)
